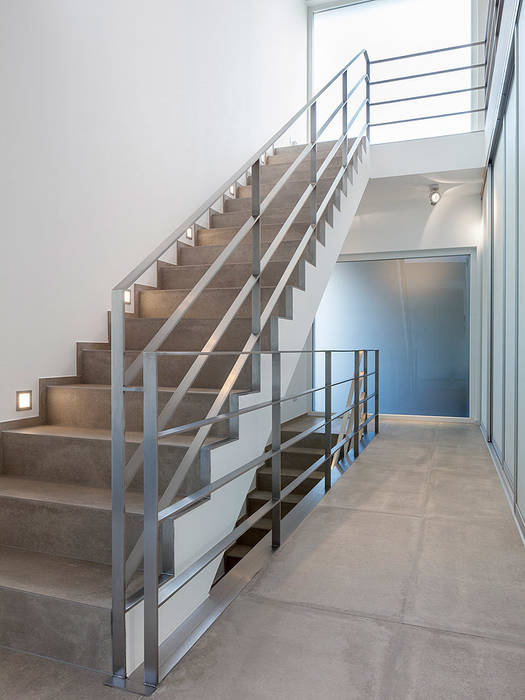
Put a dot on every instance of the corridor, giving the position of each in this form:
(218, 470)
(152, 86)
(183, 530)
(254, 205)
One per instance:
(405, 582)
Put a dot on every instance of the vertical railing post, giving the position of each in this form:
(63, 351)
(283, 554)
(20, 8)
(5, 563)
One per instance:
(313, 181)
(344, 95)
(367, 81)
(365, 389)
(357, 363)
(256, 272)
(118, 503)
(151, 523)
(276, 449)
(376, 399)
(328, 420)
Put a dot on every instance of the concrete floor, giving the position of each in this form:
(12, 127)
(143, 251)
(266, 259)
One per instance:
(406, 582)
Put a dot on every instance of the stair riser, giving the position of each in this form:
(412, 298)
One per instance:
(191, 335)
(251, 537)
(96, 369)
(315, 440)
(60, 629)
(212, 303)
(272, 173)
(91, 408)
(61, 530)
(83, 461)
(223, 233)
(229, 276)
(295, 460)
(276, 216)
(286, 199)
(264, 482)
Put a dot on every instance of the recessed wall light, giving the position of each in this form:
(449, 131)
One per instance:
(233, 190)
(189, 232)
(24, 400)
(435, 195)
(127, 296)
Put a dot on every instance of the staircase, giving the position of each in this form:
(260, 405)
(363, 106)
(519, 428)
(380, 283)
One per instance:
(55, 485)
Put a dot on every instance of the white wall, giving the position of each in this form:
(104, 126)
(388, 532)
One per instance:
(118, 119)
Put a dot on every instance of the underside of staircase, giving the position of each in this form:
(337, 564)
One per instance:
(55, 481)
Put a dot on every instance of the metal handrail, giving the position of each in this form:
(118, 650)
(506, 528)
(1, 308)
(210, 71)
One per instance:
(158, 591)
(429, 52)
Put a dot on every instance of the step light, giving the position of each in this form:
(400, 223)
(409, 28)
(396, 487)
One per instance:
(127, 296)
(435, 195)
(189, 232)
(24, 400)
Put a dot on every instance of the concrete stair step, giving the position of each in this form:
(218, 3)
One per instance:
(287, 154)
(191, 334)
(231, 275)
(273, 215)
(270, 174)
(60, 519)
(214, 303)
(83, 456)
(223, 230)
(89, 406)
(286, 198)
(96, 369)
(205, 254)
(56, 607)
(258, 498)
(300, 457)
(288, 474)
(256, 533)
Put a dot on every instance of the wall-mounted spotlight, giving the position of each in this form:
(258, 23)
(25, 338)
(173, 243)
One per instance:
(24, 400)
(127, 296)
(435, 195)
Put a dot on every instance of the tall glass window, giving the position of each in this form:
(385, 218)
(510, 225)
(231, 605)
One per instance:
(389, 28)
(416, 312)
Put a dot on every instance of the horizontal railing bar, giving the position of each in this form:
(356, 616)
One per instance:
(427, 53)
(183, 353)
(426, 75)
(167, 591)
(142, 267)
(430, 116)
(248, 409)
(424, 97)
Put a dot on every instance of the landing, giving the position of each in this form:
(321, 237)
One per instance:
(406, 581)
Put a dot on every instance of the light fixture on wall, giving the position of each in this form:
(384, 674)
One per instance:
(435, 195)
(233, 190)
(127, 296)
(189, 232)
(24, 400)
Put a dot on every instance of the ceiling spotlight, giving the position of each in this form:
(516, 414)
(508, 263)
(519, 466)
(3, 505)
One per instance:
(435, 195)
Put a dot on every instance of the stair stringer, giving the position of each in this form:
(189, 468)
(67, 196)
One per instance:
(200, 529)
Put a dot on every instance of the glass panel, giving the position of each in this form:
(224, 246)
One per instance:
(416, 312)
(498, 342)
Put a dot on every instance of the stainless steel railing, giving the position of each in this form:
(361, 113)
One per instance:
(123, 379)
(157, 556)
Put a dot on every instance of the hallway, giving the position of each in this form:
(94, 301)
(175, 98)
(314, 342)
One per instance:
(405, 582)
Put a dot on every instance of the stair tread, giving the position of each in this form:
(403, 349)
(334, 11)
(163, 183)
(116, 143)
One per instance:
(73, 580)
(52, 492)
(292, 471)
(66, 431)
(266, 496)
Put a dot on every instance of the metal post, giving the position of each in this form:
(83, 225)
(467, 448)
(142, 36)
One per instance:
(365, 389)
(151, 524)
(118, 504)
(328, 421)
(256, 272)
(367, 81)
(376, 402)
(313, 179)
(276, 447)
(345, 118)
(357, 362)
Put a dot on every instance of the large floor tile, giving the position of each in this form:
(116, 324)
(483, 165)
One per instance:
(468, 497)
(407, 431)
(369, 487)
(405, 456)
(464, 460)
(470, 578)
(430, 665)
(261, 650)
(345, 559)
